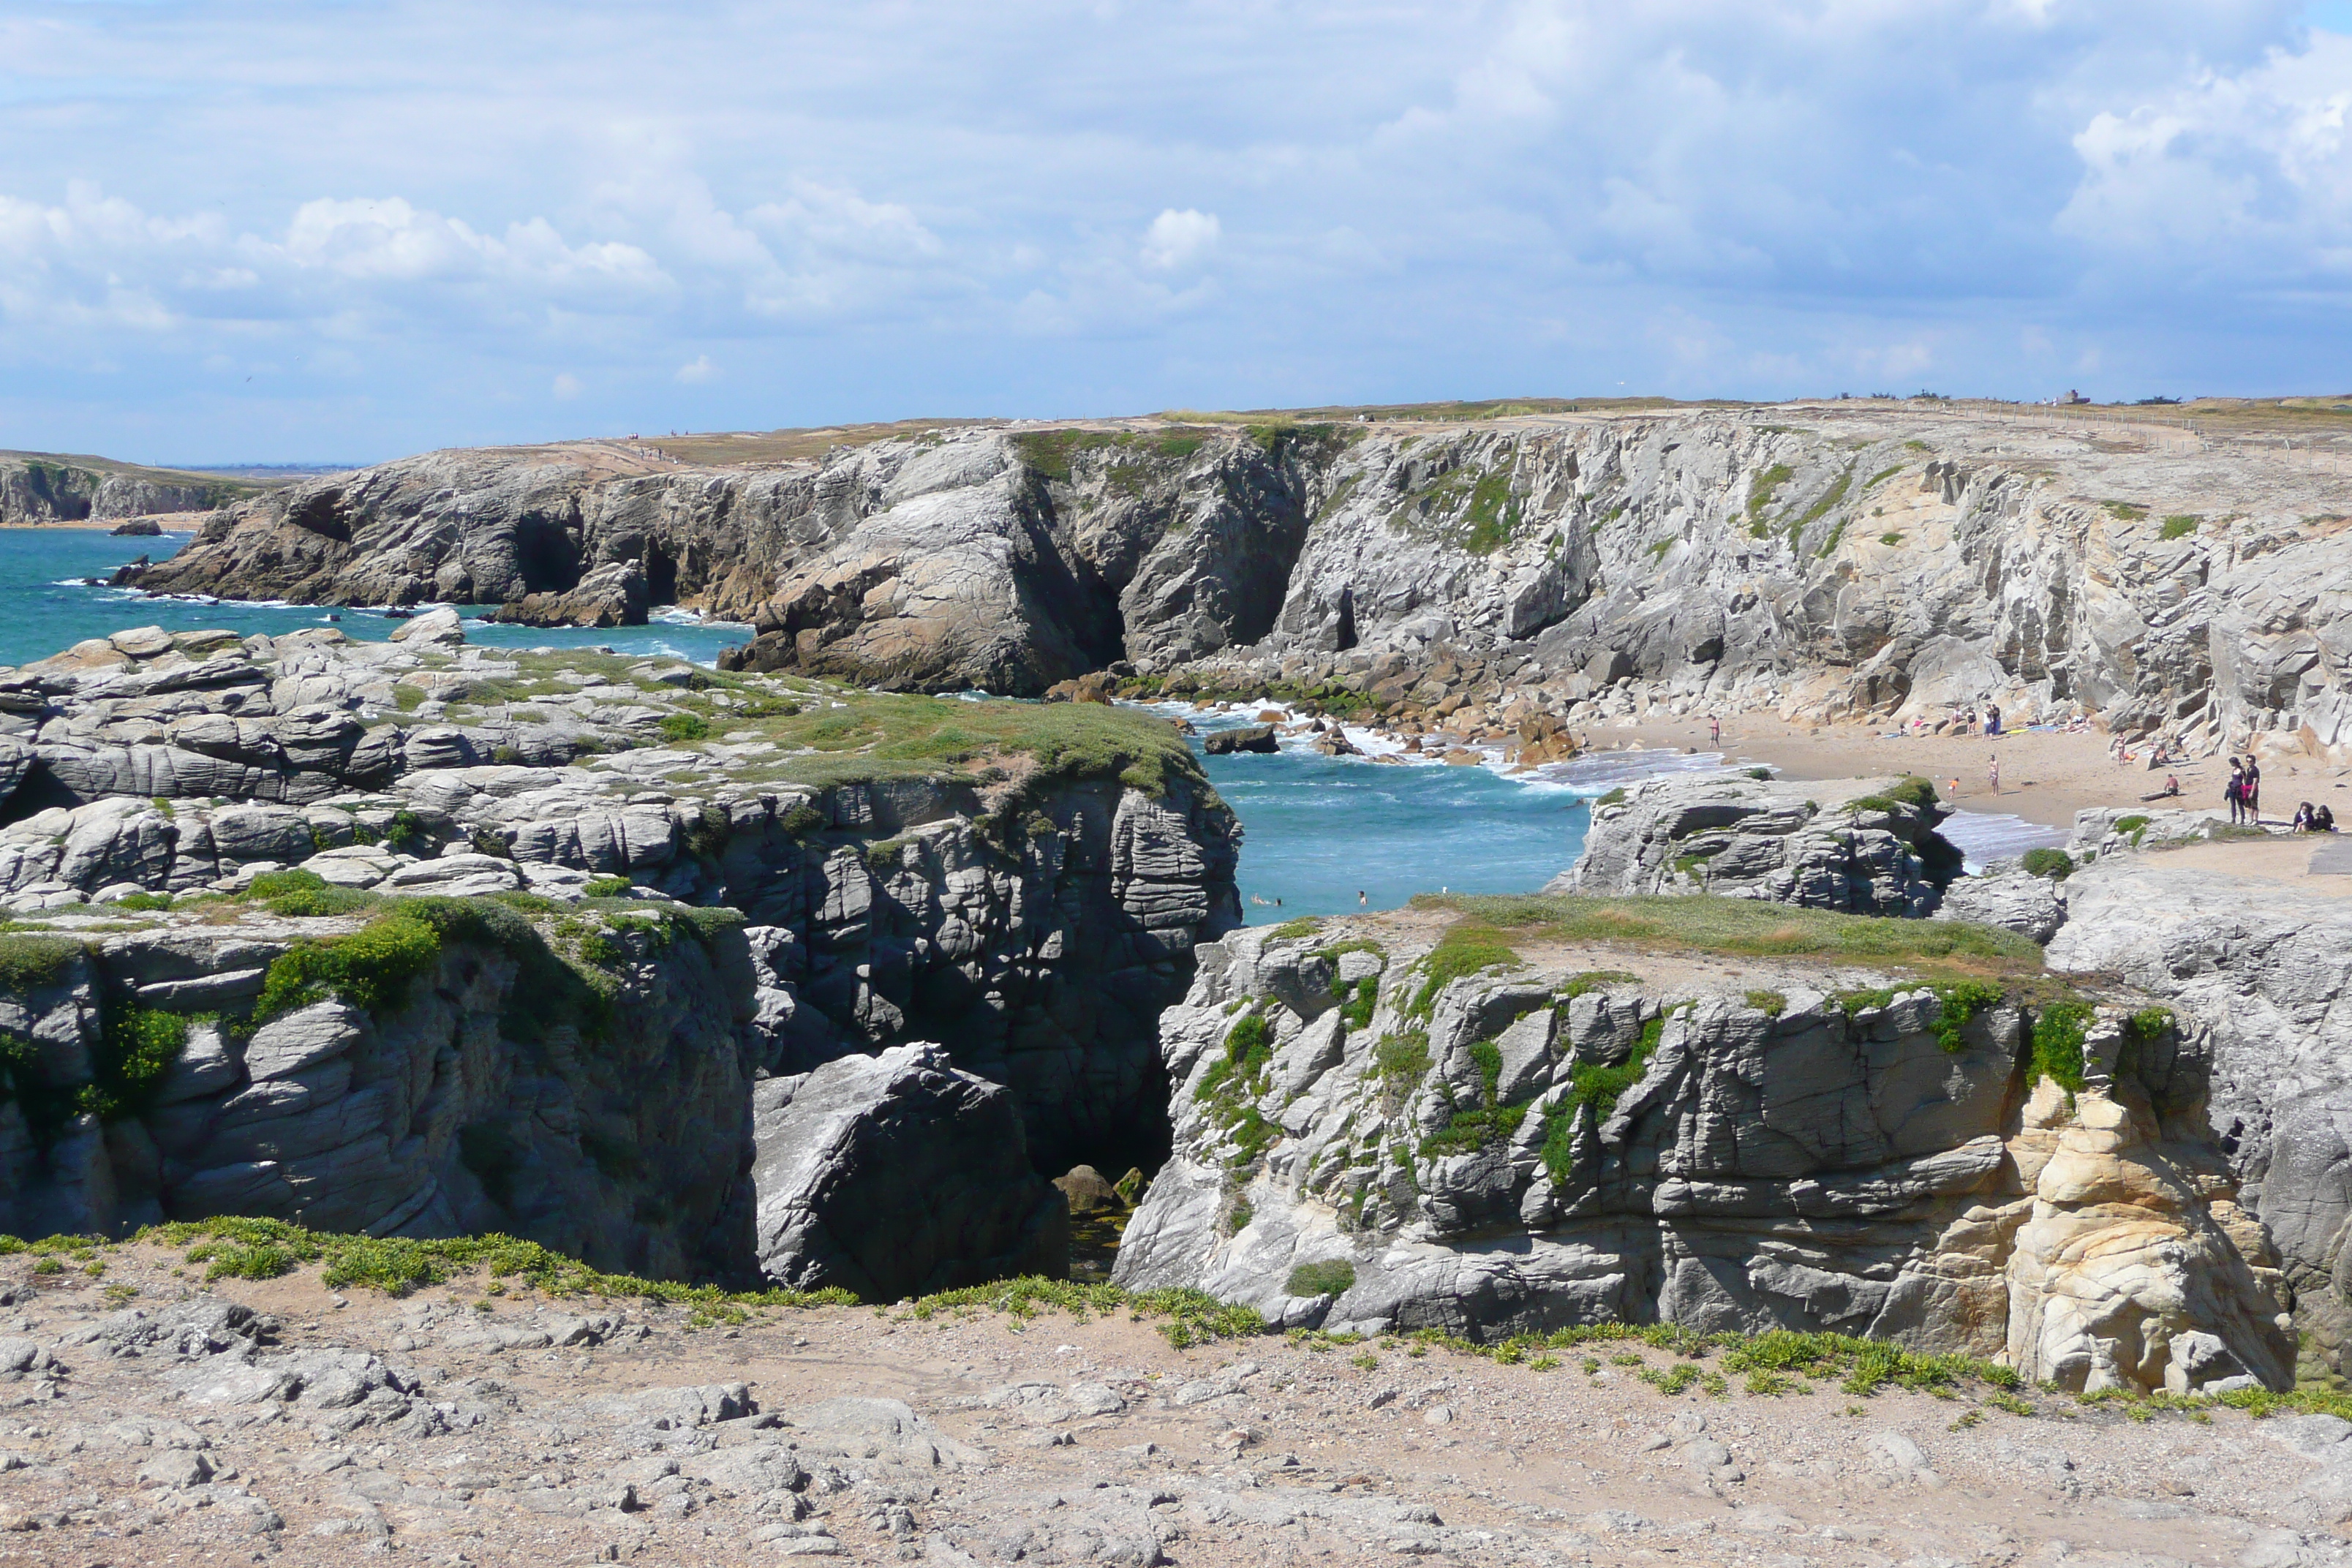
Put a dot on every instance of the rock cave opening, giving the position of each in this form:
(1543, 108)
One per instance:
(661, 575)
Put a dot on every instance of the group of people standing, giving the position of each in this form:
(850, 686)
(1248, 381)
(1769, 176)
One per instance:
(2244, 790)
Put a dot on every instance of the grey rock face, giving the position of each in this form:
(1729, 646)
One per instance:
(33, 489)
(1862, 846)
(897, 1175)
(467, 1106)
(2257, 975)
(1044, 954)
(2030, 906)
(1818, 563)
(1750, 1166)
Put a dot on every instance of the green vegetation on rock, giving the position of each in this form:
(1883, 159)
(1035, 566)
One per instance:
(1335, 1277)
(1701, 922)
(2055, 864)
(2058, 1034)
(1465, 950)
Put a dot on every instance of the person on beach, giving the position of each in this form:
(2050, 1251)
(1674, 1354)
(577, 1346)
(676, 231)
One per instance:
(1714, 731)
(2302, 823)
(1952, 786)
(2234, 791)
(2253, 792)
(2171, 789)
(1992, 772)
(1993, 718)
(2323, 818)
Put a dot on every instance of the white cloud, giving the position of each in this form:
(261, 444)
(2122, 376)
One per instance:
(1178, 239)
(872, 211)
(696, 371)
(2252, 170)
(565, 386)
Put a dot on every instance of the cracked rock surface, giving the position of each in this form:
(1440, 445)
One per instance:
(218, 1423)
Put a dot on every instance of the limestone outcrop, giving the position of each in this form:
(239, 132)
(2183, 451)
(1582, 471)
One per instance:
(898, 1175)
(2258, 977)
(1859, 845)
(1036, 914)
(451, 1076)
(1612, 1135)
(1820, 560)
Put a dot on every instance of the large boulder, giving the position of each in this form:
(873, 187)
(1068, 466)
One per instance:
(897, 1175)
(611, 595)
(1859, 845)
(2010, 898)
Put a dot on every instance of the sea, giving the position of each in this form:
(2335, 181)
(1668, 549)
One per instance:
(1321, 836)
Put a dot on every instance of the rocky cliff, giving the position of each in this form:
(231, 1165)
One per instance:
(1822, 559)
(63, 490)
(1024, 883)
(602, 1081)
(2259, 976)
(1369, 1138)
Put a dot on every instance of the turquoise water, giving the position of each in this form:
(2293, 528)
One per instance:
(44, 607)
(1318, 831)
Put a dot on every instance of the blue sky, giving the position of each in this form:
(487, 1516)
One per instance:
(347, 230)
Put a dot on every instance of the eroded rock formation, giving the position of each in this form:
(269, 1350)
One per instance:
(34, 489)
(1728, 1147)
(1821, 560)
(1857, 846)
(2259, 977)
(1035, 917)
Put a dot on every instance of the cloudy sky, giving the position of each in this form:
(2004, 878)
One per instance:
(347, 229)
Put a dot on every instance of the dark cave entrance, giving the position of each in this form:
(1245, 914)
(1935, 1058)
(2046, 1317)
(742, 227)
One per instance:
(661, 576)
(546, 556)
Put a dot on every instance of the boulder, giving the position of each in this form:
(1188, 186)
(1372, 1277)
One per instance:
(1859, 845)
(613, 595)
(897, 1175)
(1248, 738)
(443, 628)
(2029, 905)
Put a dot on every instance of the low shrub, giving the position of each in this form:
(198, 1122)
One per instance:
(2055, 864)
(1334, 1278)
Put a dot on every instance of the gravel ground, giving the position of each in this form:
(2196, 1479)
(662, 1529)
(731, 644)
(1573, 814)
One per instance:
(146, 1418)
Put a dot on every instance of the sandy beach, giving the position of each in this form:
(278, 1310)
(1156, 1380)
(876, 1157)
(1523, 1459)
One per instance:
(2045, 776)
